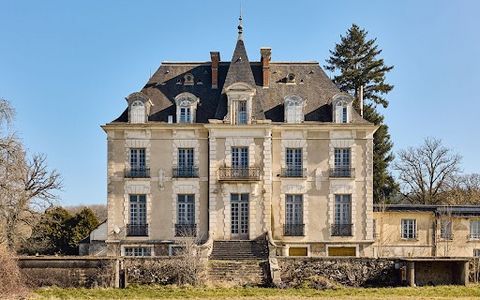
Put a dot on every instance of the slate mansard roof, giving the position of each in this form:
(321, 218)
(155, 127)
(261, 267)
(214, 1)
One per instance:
(311, 84)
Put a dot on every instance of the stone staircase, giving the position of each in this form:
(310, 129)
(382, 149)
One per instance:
(240, 250)
(242, 273)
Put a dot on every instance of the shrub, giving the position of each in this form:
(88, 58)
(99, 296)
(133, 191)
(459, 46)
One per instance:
(11, 282)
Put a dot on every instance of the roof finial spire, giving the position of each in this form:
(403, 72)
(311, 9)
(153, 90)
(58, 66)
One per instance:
(240, 24)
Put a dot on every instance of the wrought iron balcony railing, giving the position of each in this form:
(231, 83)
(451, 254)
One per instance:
(235, 173)
(186, 230)
(341, 230)
(137, 229)
(474, 236)
(342, 172)
(294, 229)
(140, 172)
(294, 172)
(185, 172)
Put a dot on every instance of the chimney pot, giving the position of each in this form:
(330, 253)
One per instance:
(215, 57)
(266, 54)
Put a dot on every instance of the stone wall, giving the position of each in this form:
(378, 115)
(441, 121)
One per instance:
(356, 272)
(68, 271)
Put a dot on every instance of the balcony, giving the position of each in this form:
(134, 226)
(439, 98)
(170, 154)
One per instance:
(341, 230)
(239, 174)
(474, 236)
(185, 172)
(342, 172)
(186, 230)
(293, 172)
(137, 229)
(137, 173)
(294, 229)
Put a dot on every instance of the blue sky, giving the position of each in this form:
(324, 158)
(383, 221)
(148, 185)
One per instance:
(67, 66)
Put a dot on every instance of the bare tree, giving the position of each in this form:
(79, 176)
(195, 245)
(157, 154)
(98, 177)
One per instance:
(27, 187)
(463, 189)
(424, 172)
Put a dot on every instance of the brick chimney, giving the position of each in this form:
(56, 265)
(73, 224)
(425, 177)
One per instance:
(215, 56)
(266, 54)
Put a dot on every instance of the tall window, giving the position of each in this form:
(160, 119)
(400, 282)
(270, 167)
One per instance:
(185, 115)
(476, 252)
(242, 114)
(341, 112)
(294, 162)
(475, 229)
(186, 209)
(343, 215)
(138, 209)
(137, 112)
(185, 163)
(294, 215)
(342, 162)
(137, 162)
(344, 114)
(446, 229)
(409, 229)
(239, 157)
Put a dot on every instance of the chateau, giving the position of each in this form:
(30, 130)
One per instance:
(244, 150)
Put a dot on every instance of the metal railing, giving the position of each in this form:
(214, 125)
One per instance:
(141, 172)
(474, 236)
(294, 229)
(341, 230)
(293, 172)
(185, 172)
(186, 230)
(229, 173)
(137, 229)
(342, 172)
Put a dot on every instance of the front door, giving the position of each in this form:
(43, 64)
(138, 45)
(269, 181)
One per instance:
(239, 216)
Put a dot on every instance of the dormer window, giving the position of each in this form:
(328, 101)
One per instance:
(294, 109)
(242, 114)
(188, 79)
(239, 103)
(291, 78)
(342, 107)
(138, 108)
(186, 107)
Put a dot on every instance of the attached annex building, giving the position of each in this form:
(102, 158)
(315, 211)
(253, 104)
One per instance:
(235, 150)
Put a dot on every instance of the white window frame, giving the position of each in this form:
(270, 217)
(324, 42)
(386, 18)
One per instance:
(137, 112)
(138, 251)
(294, 209)
(137, 209)
(475, 229)
(342, 108)
(343, 209)
(446, 232)
(241, 111)
(240, 159)
(409, 229)
(186, 209)
(186, 108)
(293, 110)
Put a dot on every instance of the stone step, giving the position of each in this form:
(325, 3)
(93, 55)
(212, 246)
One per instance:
(239, 250)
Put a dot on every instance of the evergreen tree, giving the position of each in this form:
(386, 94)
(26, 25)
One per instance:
(356, 64)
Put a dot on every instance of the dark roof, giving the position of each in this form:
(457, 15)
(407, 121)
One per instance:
(456, 210)
(311, 83)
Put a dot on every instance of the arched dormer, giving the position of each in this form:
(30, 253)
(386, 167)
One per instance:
(294, 109)
(186, 104)
(342, 108)
(138, 108)
(239, 103)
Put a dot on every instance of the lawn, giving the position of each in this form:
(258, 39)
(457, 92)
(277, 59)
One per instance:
(157, 292)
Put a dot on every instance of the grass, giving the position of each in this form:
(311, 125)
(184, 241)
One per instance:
(171, 292)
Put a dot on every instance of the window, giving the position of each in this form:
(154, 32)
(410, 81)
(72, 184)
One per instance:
(185, 115)
(476, 252)
(341, 111)
(344, 114)
(475, 229)
(186, 209)
(343, 220)
(342, 161)
(242, 114)
(374, 228)
(185, 167)
(137, 112)
(138, 216)
(293, 162)
(294, 215)
(138, 251)
(409, 229)
(137, 163)
(293, 109)
(342, 108)
(239, 157)
(446, 229)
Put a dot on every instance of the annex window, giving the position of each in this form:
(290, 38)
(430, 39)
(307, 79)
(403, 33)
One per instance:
(137, 112)
(446, 229)
(138, 251)
(409, 229)
(475, 229)
(293, 109)
(294, 215)
(343, 215)
(186, 107)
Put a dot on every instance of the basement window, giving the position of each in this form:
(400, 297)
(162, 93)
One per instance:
(138, 251)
